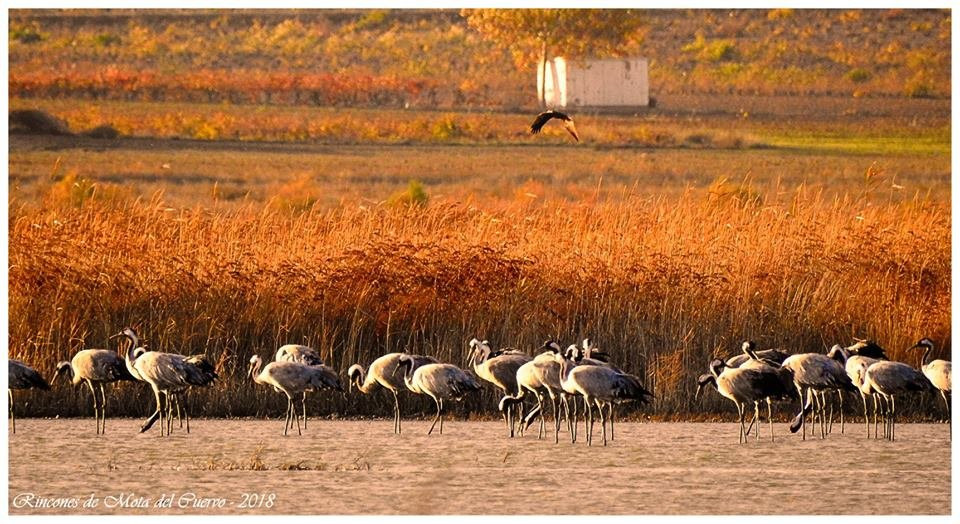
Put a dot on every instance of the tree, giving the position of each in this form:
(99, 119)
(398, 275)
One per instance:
(538, 34)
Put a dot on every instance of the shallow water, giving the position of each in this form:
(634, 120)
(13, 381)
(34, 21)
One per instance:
(352, 467)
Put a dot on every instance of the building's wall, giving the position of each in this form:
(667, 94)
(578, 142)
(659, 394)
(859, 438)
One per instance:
(596, 83)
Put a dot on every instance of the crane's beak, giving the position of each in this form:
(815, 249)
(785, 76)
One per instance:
(111, 337)
(697, 394)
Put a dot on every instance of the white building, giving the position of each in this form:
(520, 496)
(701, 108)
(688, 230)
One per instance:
(595, 83)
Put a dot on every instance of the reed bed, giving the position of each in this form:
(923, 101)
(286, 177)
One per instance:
(661, 283)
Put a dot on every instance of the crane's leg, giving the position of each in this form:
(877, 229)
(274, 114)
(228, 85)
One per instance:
(573, 421)
(828, 427)
(816, 411)
(516, 419)
(286, 420)
(818, 407)
(160, 409)
(171, 403)
(840, 399)
(396, 413)
(436, 418)
(603, 422)
(893, 418)
(304, 410)
(946, 403)
(866, 414)
(587, 404)
(103, 411)
(756, 415)
(753, 421)
(823, 394)
(519, 419)
(886, 417)
(186, 409)
(176, 399)
(13, 418)
(740, 417)
(556, 418)
(96, 408)
(588, 410)
(824, 428)
(770, 418)
(165, 414)
(508, 418)
(293, 407)
(543, 423)
(173, 407)
(825, 422)
(876, 423)
(803, 418)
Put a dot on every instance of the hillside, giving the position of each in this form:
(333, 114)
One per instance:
(431, 59)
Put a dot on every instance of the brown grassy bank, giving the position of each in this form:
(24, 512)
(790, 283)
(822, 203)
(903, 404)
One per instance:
(662, 284)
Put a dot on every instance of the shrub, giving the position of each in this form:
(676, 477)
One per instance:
(103, 131)
(713, 51)
(446, 128)
(106, 40)
(858, 75)
(26, 34)
(918, 87)
(373, 19)
(779, 14)
(414, 195)
(76, 191)
(37, 121)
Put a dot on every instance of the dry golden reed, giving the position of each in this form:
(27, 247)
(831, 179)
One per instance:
(662, 284)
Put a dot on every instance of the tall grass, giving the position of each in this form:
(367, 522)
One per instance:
(662, 284)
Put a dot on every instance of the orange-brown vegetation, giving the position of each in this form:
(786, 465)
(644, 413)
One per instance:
(433, 59)
(662, 284)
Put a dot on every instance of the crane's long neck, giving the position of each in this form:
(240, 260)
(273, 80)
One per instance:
(255, 371)
(133, 344)
(565, 368)
(130, 358)
(927, 349)
(480, 357)
(366, 382)
(65, 368)
(716, 370)
(407, 364)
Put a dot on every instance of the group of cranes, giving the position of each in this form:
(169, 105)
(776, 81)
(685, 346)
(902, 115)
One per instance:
(500, 370)
(862, 367)
(568, 375)
(751, 379)
(579, 372)
(384, 372)
(95, 367)
(293, 377)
